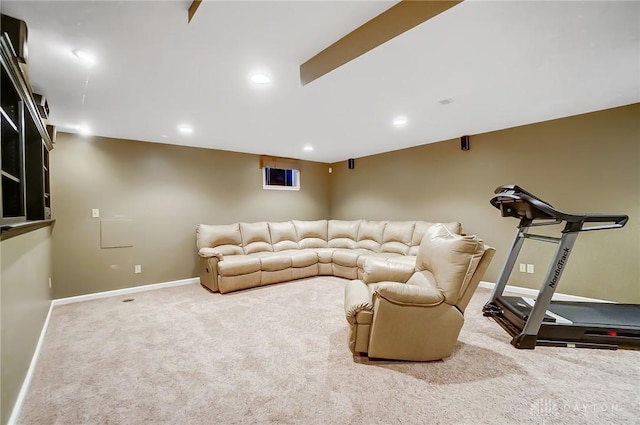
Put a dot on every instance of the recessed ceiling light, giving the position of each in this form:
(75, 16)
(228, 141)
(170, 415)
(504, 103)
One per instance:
(400, 121)
(308, 148)
(86, 57)
(80, 129)
(185, 129)
(260, 79)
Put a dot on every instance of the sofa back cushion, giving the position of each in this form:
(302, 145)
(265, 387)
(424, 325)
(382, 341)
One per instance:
(225, 238)
(370, 235)
(283, 236)
(397, 237)
(256, 237)
(421, 228)
(311, 234)
(451, 258)
(343, 233)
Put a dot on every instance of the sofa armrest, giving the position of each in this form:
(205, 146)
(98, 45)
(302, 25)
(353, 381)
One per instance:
(378, 270)
(401, 293)
(357, 298)
(210, 252)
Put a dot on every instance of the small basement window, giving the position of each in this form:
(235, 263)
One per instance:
(280, 179)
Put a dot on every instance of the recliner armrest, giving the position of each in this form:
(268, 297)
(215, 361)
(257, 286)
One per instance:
(401, 293)
(357, 298)
(378, 270)
(209, 253)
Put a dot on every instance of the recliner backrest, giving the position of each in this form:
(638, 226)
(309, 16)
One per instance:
(397, 237)
(343, 233)
(256, 237)
(311, 234)
(283, 236)
(370, 235)
(225, 238)
(451, 258)
(421, 228)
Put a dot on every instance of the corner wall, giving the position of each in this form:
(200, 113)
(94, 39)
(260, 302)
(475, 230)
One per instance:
(166, 191)
(588, 163)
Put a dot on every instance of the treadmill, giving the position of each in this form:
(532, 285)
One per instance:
(557, 323)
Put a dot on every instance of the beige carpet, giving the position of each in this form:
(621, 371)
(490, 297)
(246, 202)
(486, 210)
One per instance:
(279, 355)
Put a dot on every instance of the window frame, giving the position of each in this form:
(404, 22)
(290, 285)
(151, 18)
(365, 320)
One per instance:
(295, 175)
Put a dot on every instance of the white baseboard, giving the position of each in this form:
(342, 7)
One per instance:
(124, 291)
(533, 293)
(17, 407)
(27, 379)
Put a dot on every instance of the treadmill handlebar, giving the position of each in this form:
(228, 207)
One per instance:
(513, 201)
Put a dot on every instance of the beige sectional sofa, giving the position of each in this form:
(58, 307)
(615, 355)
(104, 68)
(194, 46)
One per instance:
(246, 255)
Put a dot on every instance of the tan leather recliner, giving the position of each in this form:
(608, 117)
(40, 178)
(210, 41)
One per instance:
(404, 312)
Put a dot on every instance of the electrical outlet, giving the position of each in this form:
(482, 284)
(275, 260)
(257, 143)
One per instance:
(523, 268)
(529, 268)
(95, 213)
(138, 268)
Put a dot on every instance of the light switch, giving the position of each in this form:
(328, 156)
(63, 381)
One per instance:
(138, 268)
(529, 268)
(523, 268)
(95, 213)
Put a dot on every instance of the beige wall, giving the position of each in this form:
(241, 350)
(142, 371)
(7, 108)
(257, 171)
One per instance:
(166, 191)
(585, 163)
(25, 299)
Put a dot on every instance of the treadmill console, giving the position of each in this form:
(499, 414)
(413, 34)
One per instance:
(514, 201)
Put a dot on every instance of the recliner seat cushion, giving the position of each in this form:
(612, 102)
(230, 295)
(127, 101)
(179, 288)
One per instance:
(275, 262)
(345, 257)
(238, 265)
(302, 258)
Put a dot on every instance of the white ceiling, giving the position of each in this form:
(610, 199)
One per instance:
(503, 63)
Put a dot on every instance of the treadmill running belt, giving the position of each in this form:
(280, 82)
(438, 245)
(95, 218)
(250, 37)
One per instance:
(599, 314)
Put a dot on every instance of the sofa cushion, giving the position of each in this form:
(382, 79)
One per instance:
(370, 235)
(238, 265)
(226, 238)
(255, 237)
(302, 258)
(275, 262)
(397, 237)
(451, 258)
(311, 234)
(343, 233)
(324, 254)
(421, 228)
(283, 236)
(345, 257)
(365, 254)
